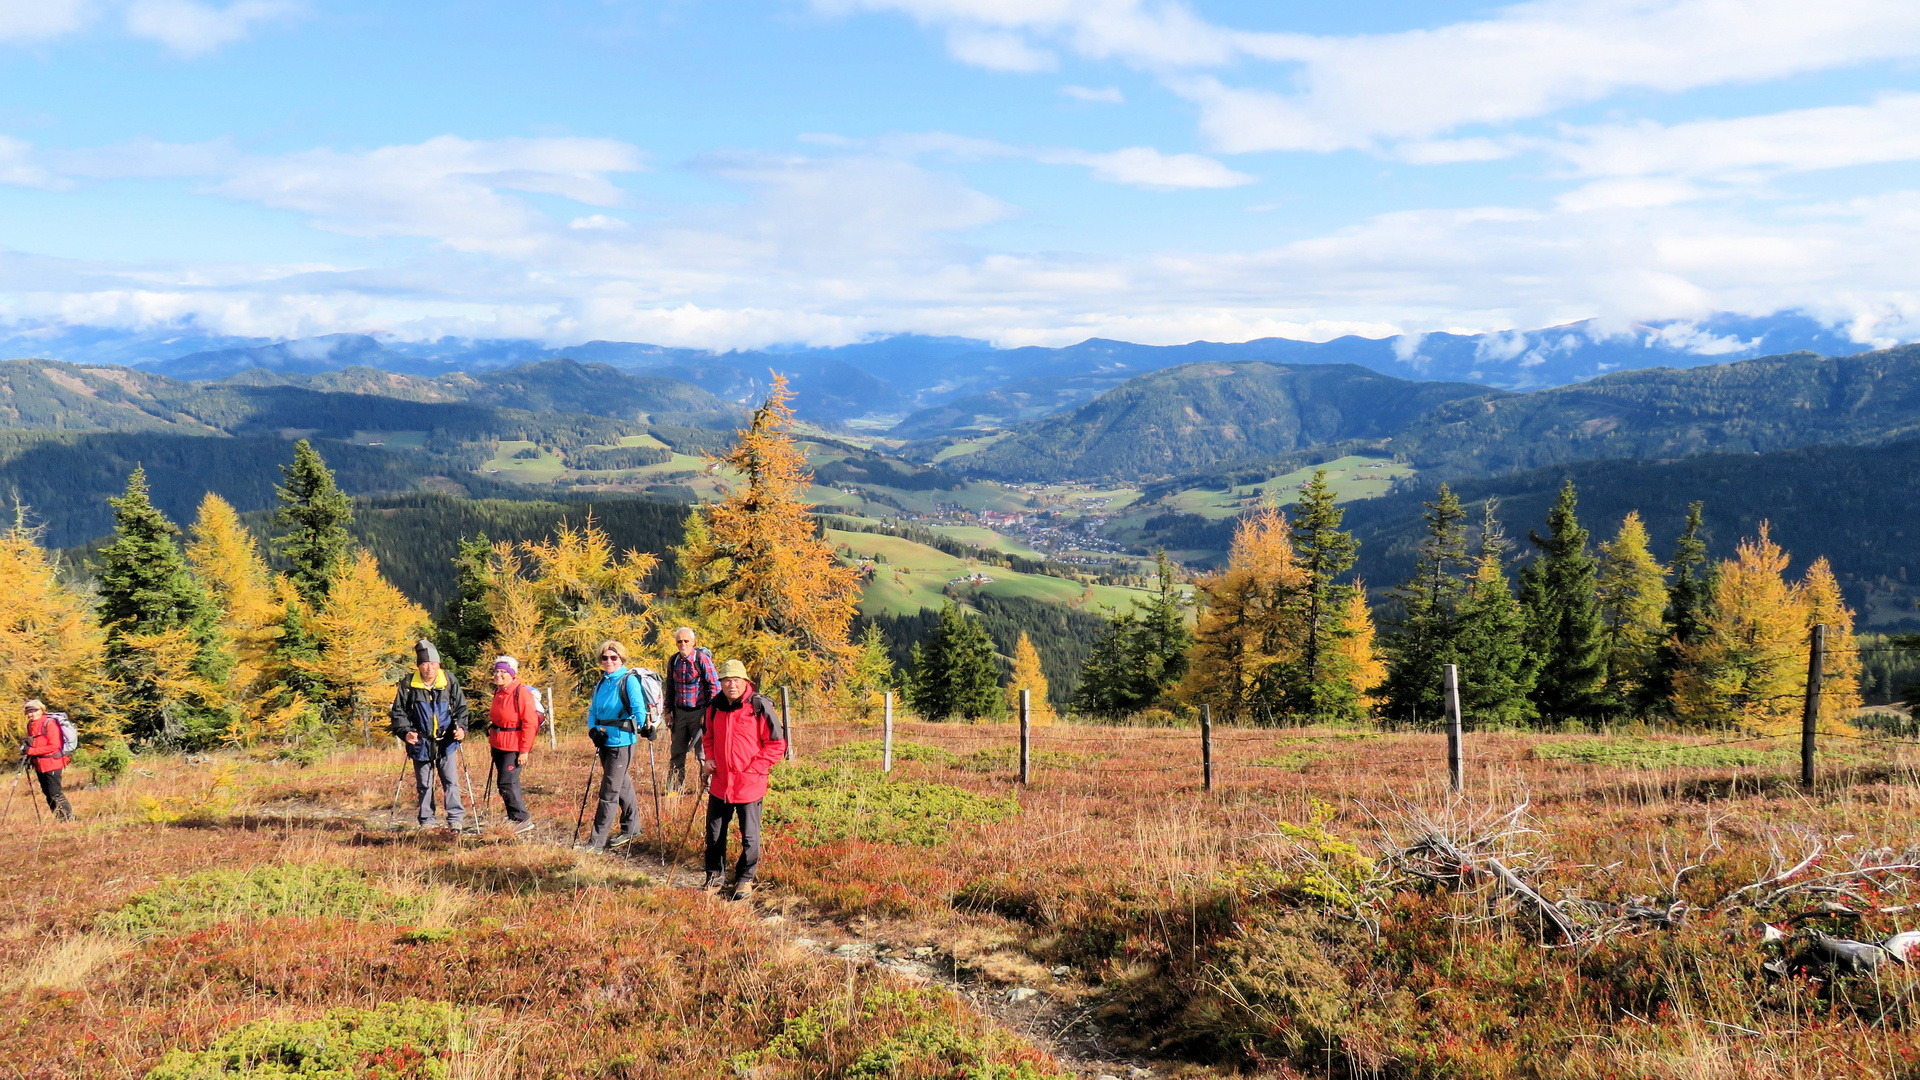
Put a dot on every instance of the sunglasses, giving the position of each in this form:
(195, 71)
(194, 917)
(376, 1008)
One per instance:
(604, 657)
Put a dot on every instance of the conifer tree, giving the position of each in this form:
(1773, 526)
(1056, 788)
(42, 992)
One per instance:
(1248, 626)
(1027, 676)
(1747, 667)
(1496, 666)
(1688, 594)
(1820, 599)
(1143, 653)
(165, 644)
(315, 514)
(50, 645)
(758, 576)
(1632, 591)
(366, 633)
(1563, 618)
(226, 560)
(953, 672)
(869, 676)
(1358, 650)
(467, 625)
(1319, 686)
(518, 625)
(1426, 637)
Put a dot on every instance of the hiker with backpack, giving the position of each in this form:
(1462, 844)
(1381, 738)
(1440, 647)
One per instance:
(513, 720)
(743, 740)
(692, 684)
(51, 741)
(429, 714)
(620, 714)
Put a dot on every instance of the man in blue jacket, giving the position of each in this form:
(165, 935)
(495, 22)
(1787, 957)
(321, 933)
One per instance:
(429, 714)
(616, 718)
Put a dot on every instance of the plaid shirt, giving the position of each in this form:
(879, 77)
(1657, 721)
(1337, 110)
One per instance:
(695, 682)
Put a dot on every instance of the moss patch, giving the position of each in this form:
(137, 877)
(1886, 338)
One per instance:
(1639, 753)
(873, 750)
(264, 892)
(820, 804)
(411, 1039)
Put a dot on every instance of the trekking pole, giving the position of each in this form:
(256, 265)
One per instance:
(458, 746)
(486, 787)
(34, 801)
(582, 815)
(14, 789)
(688, 831)
(653, 775)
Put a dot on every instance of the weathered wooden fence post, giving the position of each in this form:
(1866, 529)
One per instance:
(1810, 717)
(886, 733)
(1456, 764)
(1206, 746)
(1026, 738)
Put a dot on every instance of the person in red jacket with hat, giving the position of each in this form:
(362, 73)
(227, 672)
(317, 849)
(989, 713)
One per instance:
(743, 739)
(44, 743)
(512, 722)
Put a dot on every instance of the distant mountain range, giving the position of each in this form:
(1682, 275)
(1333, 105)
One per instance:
(946, 386)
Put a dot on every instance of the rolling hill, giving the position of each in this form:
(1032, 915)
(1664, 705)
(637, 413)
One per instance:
(1200, 415)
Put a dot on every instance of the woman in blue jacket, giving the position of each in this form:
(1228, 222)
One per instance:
(617, 717)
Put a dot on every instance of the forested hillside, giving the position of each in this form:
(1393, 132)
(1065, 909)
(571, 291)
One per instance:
(1851, 504)
(1772, 403)
(1199, 415)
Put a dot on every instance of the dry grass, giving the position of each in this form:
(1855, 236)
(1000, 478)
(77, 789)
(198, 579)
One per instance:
(1205, 927)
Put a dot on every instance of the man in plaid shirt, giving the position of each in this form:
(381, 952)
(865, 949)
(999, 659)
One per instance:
(692, 682)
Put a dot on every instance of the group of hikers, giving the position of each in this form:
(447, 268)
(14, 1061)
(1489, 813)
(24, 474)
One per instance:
(733, 732)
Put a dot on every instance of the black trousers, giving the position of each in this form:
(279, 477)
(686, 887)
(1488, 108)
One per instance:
(616, 795)
(56, 799)
(686, 736)
(719, 814)
(506, 771)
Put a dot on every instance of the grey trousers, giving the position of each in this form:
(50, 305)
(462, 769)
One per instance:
(423, 785)
(686, 736)
(719, 814)
(616, 790)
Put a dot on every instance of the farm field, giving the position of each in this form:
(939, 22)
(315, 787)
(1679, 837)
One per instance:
(982, 537)
(1350, 477)
(1271, 927)
(914, 576)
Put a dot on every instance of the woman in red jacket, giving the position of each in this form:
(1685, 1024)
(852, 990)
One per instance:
(743, 739)
(44, 743)
(513, 721)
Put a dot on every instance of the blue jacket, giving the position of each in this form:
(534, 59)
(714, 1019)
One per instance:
(607, 707)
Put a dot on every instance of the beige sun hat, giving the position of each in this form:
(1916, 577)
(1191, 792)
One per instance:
(733, 669)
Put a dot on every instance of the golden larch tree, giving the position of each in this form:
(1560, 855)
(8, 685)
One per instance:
(520, 631)
(585, 592)
(1027, 676)
(366, 632)
(1248, 623)
(1354, 647)
(1632, 590)
(757, 576)
(226, 559)
(1822, 604)
(50, 645)
(1749, 667)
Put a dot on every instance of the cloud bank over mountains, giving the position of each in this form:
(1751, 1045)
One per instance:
(1626, 161)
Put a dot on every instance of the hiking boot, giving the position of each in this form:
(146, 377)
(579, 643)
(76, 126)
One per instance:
(523, 826)
(713, 884)
(624, 839)
(744, 890)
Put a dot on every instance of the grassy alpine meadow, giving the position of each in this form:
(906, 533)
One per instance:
(1330, 908)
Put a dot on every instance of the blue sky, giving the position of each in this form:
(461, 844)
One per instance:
(1030, 171)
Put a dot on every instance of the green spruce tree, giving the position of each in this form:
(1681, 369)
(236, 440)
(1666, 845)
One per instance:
(467, 624)
(1688, 597)
(1426, 634)
(1496, 666)
(1143, 653)
(171, 687)
(953, 671)
(1320, 689)
(1564, 620)
(315, 514)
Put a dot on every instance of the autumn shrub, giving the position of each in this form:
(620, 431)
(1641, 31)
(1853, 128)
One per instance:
(820, 804)
(404, 1040)
(262, 892)
(1006, 759)
(930, 1034)
(105, 763)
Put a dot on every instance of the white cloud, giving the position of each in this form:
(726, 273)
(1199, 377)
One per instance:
(191, 28)
(1143, 166)
(1105, 95)
(1752, 147)
(40, 20)
(21, 166)
(998, 51)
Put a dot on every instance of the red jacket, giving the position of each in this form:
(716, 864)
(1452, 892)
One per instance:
(742, 742)
(43, 744)
(511, 719)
